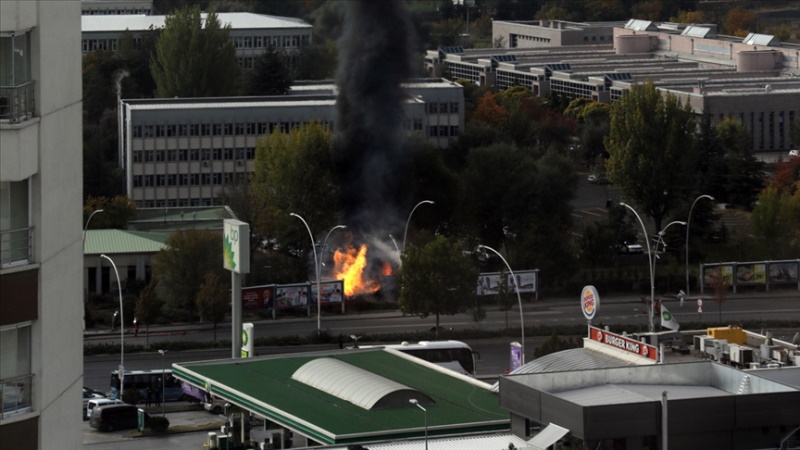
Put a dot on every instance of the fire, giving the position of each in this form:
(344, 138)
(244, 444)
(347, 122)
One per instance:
(349, 266)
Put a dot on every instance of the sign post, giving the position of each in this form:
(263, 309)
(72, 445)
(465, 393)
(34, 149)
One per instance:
(236, 258)
(247, 340)
(590, 301)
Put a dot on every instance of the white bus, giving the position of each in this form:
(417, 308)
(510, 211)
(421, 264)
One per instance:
(454, 355)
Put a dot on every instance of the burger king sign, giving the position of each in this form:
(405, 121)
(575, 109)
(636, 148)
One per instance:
(590, 301)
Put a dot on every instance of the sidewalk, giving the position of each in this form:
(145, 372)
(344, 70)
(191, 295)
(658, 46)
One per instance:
(542, 303)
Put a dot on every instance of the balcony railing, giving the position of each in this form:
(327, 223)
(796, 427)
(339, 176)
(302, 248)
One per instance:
(16, 246)
(16, 102)
(15, 395)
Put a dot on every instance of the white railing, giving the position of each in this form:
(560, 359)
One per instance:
(15, 395)
(17, 102)
(16, 246)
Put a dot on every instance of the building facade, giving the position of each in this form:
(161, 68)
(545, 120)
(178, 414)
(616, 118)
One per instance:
(41, 306)
(252, 34)
(113, 7)
(755, 79)
(183, 152)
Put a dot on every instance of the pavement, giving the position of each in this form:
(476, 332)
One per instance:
(542, 303)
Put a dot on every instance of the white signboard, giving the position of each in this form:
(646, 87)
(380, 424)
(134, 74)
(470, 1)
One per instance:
(236, 246)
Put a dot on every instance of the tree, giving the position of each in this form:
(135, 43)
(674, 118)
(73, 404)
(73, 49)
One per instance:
(689, 17)
(117, 212)
(739, 21)
(271, 74)
(182, 265)
(148, 307)
(744, 176)
(554, 344)
(506, 295)
(719, 284)
(193, 58)
(293, 174)
(651, 147)
(436, 279)
(777, 216)
(212, 300)
(489, 112)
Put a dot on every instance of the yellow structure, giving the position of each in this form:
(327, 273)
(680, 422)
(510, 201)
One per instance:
(733, 335)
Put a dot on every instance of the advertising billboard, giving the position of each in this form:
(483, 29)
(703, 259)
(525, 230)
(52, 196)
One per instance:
(783, 272)
(751, 273)
(332, 291)
(290, 296)
(489, 283)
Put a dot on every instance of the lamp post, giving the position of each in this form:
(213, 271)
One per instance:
(113, 319)
(519, 299)
(661, 240)
(163, 352)
(316, 266)
(121, 329)
(688, 222)
(414, 402)
(83, 249)
(650, 262)
(395, 244)
(324, 243)
(86, 227)
(405, 233)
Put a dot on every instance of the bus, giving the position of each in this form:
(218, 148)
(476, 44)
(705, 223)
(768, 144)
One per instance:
(454, 355)
(144, 379)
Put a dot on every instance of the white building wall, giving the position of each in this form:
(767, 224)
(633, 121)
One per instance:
(47, 148)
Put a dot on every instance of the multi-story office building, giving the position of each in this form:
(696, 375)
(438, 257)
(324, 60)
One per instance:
(41, 302)
(113, 7)
(252, 34)
(182, 152)
(755, 79)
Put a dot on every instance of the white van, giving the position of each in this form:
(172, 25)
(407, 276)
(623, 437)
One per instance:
(95, 402)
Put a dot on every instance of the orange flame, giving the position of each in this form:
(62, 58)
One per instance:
(349, 266)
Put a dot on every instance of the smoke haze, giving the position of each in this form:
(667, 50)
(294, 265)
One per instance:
(374, 59)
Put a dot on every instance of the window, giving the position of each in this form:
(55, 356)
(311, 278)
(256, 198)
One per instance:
(15, 369)
(15, 231)
(15, 77)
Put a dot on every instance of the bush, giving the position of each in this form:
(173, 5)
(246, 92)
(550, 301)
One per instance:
(158, 424)
(131, 396)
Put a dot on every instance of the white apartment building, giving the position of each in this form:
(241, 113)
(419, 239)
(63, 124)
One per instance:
(252, 34)
(182, 152)
(41, 302)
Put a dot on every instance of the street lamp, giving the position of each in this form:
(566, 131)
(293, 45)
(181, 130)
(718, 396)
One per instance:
(405, 233)
(650, 262)
(661, 240)
(113, 319)
(121, 329)
(316, 266)
(324, 243)
(414, 402)
(688, 222)
(163, 352)
(86, 227)
(519, 299)
(395, 244)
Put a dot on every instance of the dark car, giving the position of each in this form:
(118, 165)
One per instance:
(114, 417)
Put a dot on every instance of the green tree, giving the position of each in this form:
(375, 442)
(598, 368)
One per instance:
(148, 308)
(194, 57)
(293, 174)
(436, 279)
(597, 245)
(212, 300)
(182, 265)
(776, 217)
(271, 74)
(506, 295)
(554, 344)
(651, 147)
(117, 212)
(743, 174)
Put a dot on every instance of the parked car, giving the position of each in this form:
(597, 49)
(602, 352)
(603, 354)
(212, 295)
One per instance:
(215, 406)
(598, 179)
(115, 417)
(630, 249)
(98, 402)
(89, 394)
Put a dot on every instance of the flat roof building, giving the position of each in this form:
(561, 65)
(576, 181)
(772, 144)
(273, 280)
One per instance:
(183, 152)
(755, 79)
(251, 33)
(114, 7)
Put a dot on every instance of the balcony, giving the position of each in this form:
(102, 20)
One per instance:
(16, 246)
(16, 102)
(15, 395)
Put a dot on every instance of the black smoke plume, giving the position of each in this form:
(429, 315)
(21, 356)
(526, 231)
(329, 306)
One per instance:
(372, 164)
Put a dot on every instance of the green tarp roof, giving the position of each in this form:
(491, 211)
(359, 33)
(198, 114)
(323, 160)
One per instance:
(121, 241)
(265, 387)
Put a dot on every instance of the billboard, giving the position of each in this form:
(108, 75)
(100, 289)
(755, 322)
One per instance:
(783, 272)
(291, 295)
(623, 343)
(332, 291)
(751, 273)
(236, 246)
(489, 283)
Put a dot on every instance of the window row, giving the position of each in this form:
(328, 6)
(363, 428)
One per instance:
(216, 129)
(188, 179)
(195, 154)
(441, 108)
(443, 131)
(173, 203)
(289, 41)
